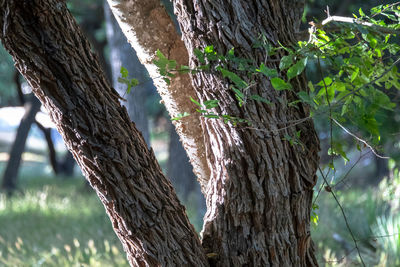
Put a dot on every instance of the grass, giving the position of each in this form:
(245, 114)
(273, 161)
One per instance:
(56, 223)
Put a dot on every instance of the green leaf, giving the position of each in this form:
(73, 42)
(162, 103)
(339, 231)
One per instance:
(209, 49)
(280, 84)
(171, 64)
(211, 116)
(326, 81)
(372, 40)
(233, 77)
(211, 103)
(354, 74)
(168, 81)
(297, 68)
(261, 99)
(123, 80)
(161, 63)
(271, 73)
(199, 55)
(306, 98)
(194, 101)
(184, 69)
(337, 150)
(311, 86)
(133, 82)
(286, 62)
(180, 116)
(331, 165)
(361, 12)
(124, 72)
(358, 147)
(239, 96)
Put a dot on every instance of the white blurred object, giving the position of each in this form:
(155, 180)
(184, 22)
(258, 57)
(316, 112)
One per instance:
(13, 115)
(10, 118)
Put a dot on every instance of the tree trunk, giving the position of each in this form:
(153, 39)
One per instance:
(261, 187)
(10, 175)
(149, 29)
(122, 55)
(55, 58)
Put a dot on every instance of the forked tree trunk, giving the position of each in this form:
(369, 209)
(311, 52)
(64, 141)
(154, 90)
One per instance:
(260, 190)
(55, 58)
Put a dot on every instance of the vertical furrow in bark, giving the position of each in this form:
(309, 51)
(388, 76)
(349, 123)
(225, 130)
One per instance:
(148, 27)
(55, 58)
(260, 190)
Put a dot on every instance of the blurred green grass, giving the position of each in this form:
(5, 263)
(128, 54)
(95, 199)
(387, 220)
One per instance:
(374, 218)
(55, 222)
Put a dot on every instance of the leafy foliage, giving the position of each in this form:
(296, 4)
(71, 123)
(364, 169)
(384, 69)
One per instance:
(125, 80)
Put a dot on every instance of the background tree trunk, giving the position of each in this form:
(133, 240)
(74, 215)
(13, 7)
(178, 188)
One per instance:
(56, 59)
(67, 165)
(182, 177)
(10, 175)
(122, 55)
(260, 190)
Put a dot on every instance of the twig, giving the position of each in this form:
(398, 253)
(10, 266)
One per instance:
(389, 6)
(371, 82)
(349, 20)
(344, 217)
(342, 258)
(329, 104)
(352, 167)
(359, 139)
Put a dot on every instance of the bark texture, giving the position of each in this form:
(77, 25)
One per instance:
(10, 175)
(148, 27)
(53, 55)
(122, 55)
(260, 190)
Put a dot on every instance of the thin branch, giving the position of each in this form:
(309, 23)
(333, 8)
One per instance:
(352, 167)
(378, 236)
(359, 139)
(329, 105)
(340, 19)
(344, 217)
(371, 82)
(389, 6)
(342, 258)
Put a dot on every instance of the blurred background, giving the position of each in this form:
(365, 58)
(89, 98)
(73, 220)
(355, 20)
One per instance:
(50, 216)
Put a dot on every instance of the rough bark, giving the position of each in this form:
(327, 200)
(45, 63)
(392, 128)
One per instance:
(260, 190)
(53, 55)
(122, 55)
(10, 175)
(148, 28)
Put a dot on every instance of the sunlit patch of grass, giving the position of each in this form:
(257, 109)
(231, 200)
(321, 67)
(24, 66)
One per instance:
(56, 223)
